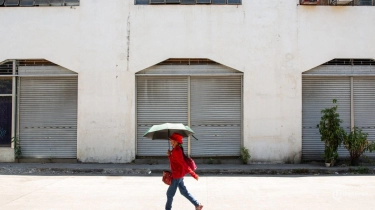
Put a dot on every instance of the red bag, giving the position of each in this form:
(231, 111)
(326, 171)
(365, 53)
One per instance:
(190, 162)
(167, 177)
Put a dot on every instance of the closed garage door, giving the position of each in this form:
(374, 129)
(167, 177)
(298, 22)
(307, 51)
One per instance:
(323, 84)
(209, 104)
(159, 100)
(318, 93)
(216, 115)
(48, 117)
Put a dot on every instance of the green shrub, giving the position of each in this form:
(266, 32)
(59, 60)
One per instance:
(244, 155)
(356, 143)
(330, 131)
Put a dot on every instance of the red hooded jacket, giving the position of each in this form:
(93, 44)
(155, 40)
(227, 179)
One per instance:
(178, 165)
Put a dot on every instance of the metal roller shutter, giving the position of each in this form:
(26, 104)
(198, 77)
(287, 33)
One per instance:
(48, 117)
(216, 115)
(364, 106)
(317, 94)
(214, 96)
(159, 100)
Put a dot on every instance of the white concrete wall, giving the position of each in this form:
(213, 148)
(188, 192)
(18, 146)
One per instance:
(7, 155)
(107, 42)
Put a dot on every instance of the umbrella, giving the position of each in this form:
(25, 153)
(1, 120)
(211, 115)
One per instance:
(163, 131)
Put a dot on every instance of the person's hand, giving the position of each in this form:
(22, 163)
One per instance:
(197, 177)
(169, 152)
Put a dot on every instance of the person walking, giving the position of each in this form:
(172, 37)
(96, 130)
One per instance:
(179, 168)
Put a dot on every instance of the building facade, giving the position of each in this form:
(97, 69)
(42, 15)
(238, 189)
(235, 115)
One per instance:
(84, 79)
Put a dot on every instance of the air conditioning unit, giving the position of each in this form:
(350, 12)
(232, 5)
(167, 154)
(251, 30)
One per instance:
(341, 2)
(310, 2)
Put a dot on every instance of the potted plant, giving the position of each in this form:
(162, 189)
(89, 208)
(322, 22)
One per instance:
(356, 143)
(330, 156)
(327, 156)
(330, 131)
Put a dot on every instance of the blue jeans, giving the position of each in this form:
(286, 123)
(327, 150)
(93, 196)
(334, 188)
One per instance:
(172, 191)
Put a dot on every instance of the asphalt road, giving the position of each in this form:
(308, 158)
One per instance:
(215, 192)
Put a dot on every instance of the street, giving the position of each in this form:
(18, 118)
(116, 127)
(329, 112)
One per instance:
(214, 192)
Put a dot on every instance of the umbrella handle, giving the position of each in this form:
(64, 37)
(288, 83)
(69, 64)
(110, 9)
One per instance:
(169, 145)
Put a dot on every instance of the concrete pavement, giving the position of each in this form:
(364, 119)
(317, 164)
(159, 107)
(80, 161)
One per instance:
(240, 192)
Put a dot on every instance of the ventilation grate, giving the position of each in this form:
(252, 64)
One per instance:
(6, 68)
(351, 62)
(187, 61)
(40, 62)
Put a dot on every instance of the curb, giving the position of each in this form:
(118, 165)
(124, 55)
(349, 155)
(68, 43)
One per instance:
(147, 171)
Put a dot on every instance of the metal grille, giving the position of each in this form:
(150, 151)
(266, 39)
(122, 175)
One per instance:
(6, 68)
(40, 62)
(235, 2)
(339, 2)
(216, 116)
(317, 94)
(348, 70)
(187, 61)
(44, 70)
(48, 117)
(351, 62)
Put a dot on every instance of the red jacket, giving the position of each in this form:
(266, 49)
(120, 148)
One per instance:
(178, 165)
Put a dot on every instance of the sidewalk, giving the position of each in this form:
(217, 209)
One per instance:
(203, 169)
